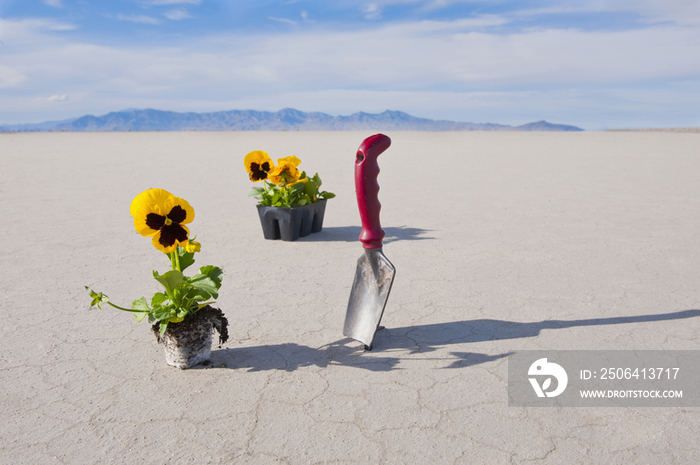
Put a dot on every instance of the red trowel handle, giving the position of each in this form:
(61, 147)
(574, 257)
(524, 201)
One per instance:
(367, 189)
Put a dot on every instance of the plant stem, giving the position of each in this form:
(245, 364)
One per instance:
(177, 259)
(125, 309)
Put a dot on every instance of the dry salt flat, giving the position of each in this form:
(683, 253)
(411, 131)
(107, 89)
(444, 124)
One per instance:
(501, 241)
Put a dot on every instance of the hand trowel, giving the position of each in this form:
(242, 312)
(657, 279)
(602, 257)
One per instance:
(374, 274)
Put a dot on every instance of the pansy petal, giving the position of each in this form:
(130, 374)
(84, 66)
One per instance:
(168, 238)
(150, 201)
(183, 238)
(257, 164)
(149, 224)
(290, 159)
(285, 172)
(179, 210)
(259, 158)
(259, 172)
(156, 243)
(193, 246)
(171, 236)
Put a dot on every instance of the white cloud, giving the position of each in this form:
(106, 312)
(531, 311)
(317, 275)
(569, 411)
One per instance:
(653, 11)
(26, 28)
(58, 98)
(10, 77)
(686, 12)
(282, 20)
(413, 56)
(54, 3)
(428, 54)
(177, 15)
(372, 11)
(428, 68)
(143, 19)
(677, 11)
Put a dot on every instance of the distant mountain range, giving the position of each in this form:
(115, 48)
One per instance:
(287, 119)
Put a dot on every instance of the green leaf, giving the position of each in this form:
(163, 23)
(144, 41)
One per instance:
(169, 280)
(213, 272)
(164, 313)
(207, 285)
(207, 281)
(179, 294)
(195, 294)
(310, 188)
(140, 304)
(97, 298)
(158, 299)
(186, 259)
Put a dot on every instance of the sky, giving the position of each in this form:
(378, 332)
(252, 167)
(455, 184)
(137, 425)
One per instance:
(596, 64)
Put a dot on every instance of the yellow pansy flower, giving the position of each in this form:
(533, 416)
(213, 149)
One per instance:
(286, 171)
(258, 164)
(159, 214)
(193, 246)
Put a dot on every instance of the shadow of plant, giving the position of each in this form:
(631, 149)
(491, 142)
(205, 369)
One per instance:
(411, 340)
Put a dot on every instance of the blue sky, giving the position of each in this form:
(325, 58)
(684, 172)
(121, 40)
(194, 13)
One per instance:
(596, 64)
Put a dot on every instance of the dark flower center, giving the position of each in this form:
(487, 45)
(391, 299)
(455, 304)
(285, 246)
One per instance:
(158, 222)
(177, 214)
(155, 221)
(171, 233)
(259, 172)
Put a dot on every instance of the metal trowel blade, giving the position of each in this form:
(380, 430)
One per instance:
(370, 290)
